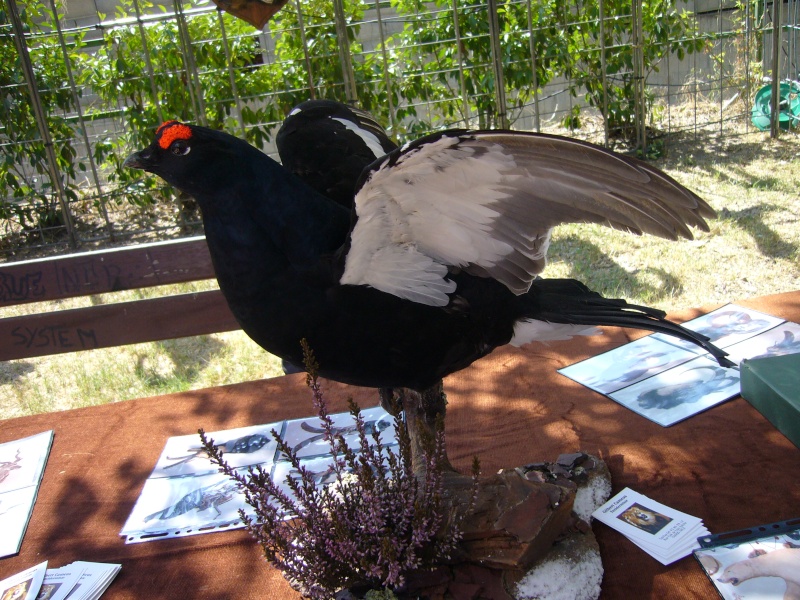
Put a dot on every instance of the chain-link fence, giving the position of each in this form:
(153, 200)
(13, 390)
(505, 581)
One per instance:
(81, 89)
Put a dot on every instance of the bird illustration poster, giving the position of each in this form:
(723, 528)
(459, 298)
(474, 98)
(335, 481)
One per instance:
(21, 467)
(241, 447)
(306, 436)
(667, 380)
(761, 562)
(186, 495)
(180, 506)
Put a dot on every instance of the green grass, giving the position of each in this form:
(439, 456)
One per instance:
(751, 250)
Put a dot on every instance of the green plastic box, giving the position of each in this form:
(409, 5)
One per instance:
(772, 386)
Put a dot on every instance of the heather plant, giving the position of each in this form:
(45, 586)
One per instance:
(370, 529)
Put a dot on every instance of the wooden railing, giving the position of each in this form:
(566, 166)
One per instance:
(116, 324)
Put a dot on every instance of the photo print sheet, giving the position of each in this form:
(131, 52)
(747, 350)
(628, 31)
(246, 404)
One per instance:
(761, 567)
(667, 380)
(22, 465)
(186, 495)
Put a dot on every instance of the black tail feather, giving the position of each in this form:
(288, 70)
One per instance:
(569, 301)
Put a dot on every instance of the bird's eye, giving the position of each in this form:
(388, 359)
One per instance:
(180, 148)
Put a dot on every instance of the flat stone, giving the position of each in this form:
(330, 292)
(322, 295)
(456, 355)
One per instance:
(515, 521)
(523, 540)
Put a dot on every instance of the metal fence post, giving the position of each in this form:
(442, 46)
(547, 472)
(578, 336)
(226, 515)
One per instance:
(190, 65)
(640, 112)
(234, 90)
(348, 75)
(497, 64)
(604, 76)
(312, 92)
(775, 124)
(81, 122)
(386, 79)
(41, 120)
(148, 64)
(461, 78)
(748, 84)
(537, 123)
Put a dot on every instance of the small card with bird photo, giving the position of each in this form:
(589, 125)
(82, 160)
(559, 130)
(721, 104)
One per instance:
(663, 532)
(667, 380)
(760, 562)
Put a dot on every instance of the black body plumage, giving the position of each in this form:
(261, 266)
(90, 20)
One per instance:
(328, 144)
(400, 298)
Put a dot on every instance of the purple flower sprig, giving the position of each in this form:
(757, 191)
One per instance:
(373, 526)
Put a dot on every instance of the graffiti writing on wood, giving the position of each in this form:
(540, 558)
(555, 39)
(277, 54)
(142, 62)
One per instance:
(72, 279)
(54, 336)
(83, 277)
(26, 287)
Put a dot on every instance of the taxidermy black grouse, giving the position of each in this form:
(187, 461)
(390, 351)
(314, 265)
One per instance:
(328, 144)
(437, 264)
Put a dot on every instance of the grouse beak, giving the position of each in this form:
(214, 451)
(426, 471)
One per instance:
(138, 160)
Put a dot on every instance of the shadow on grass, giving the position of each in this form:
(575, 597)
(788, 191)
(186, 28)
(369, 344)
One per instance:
(590, 265)
(189, 356)
(768, 241)
(13, 370)
(708, 151)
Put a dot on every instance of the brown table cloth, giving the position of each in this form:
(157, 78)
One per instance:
(728, 466)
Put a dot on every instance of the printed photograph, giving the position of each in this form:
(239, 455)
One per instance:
(22, 461)
(23, 585)
(624, 366)
(185, 505)
(15, 509)
(726, 326)
(17, 591)
(646, 519)
(765, 569)
(780, 341)
(681, 392)
(186, 494)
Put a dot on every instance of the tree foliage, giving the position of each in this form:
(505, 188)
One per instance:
(541, 42)
(25, 187)
(438, 76)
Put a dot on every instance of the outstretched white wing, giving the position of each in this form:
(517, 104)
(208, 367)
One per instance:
(486, 203)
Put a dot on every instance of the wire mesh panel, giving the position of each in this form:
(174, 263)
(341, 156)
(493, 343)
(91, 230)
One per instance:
(626, 74)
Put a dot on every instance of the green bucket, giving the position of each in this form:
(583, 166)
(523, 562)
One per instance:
(789, 115)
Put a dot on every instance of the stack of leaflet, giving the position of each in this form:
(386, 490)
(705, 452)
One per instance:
(77, 581)
(664, 533)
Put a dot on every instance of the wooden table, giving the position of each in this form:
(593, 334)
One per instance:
(728, 466)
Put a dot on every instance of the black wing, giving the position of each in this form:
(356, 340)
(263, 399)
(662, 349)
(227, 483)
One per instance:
(328, 144)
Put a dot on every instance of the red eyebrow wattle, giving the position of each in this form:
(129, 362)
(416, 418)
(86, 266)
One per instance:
(171, 131)
(165, 124)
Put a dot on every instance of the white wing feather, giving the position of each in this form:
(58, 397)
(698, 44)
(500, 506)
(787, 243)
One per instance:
(486, 202)
(434, 209)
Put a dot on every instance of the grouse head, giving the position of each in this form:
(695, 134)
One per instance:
(196, 160)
